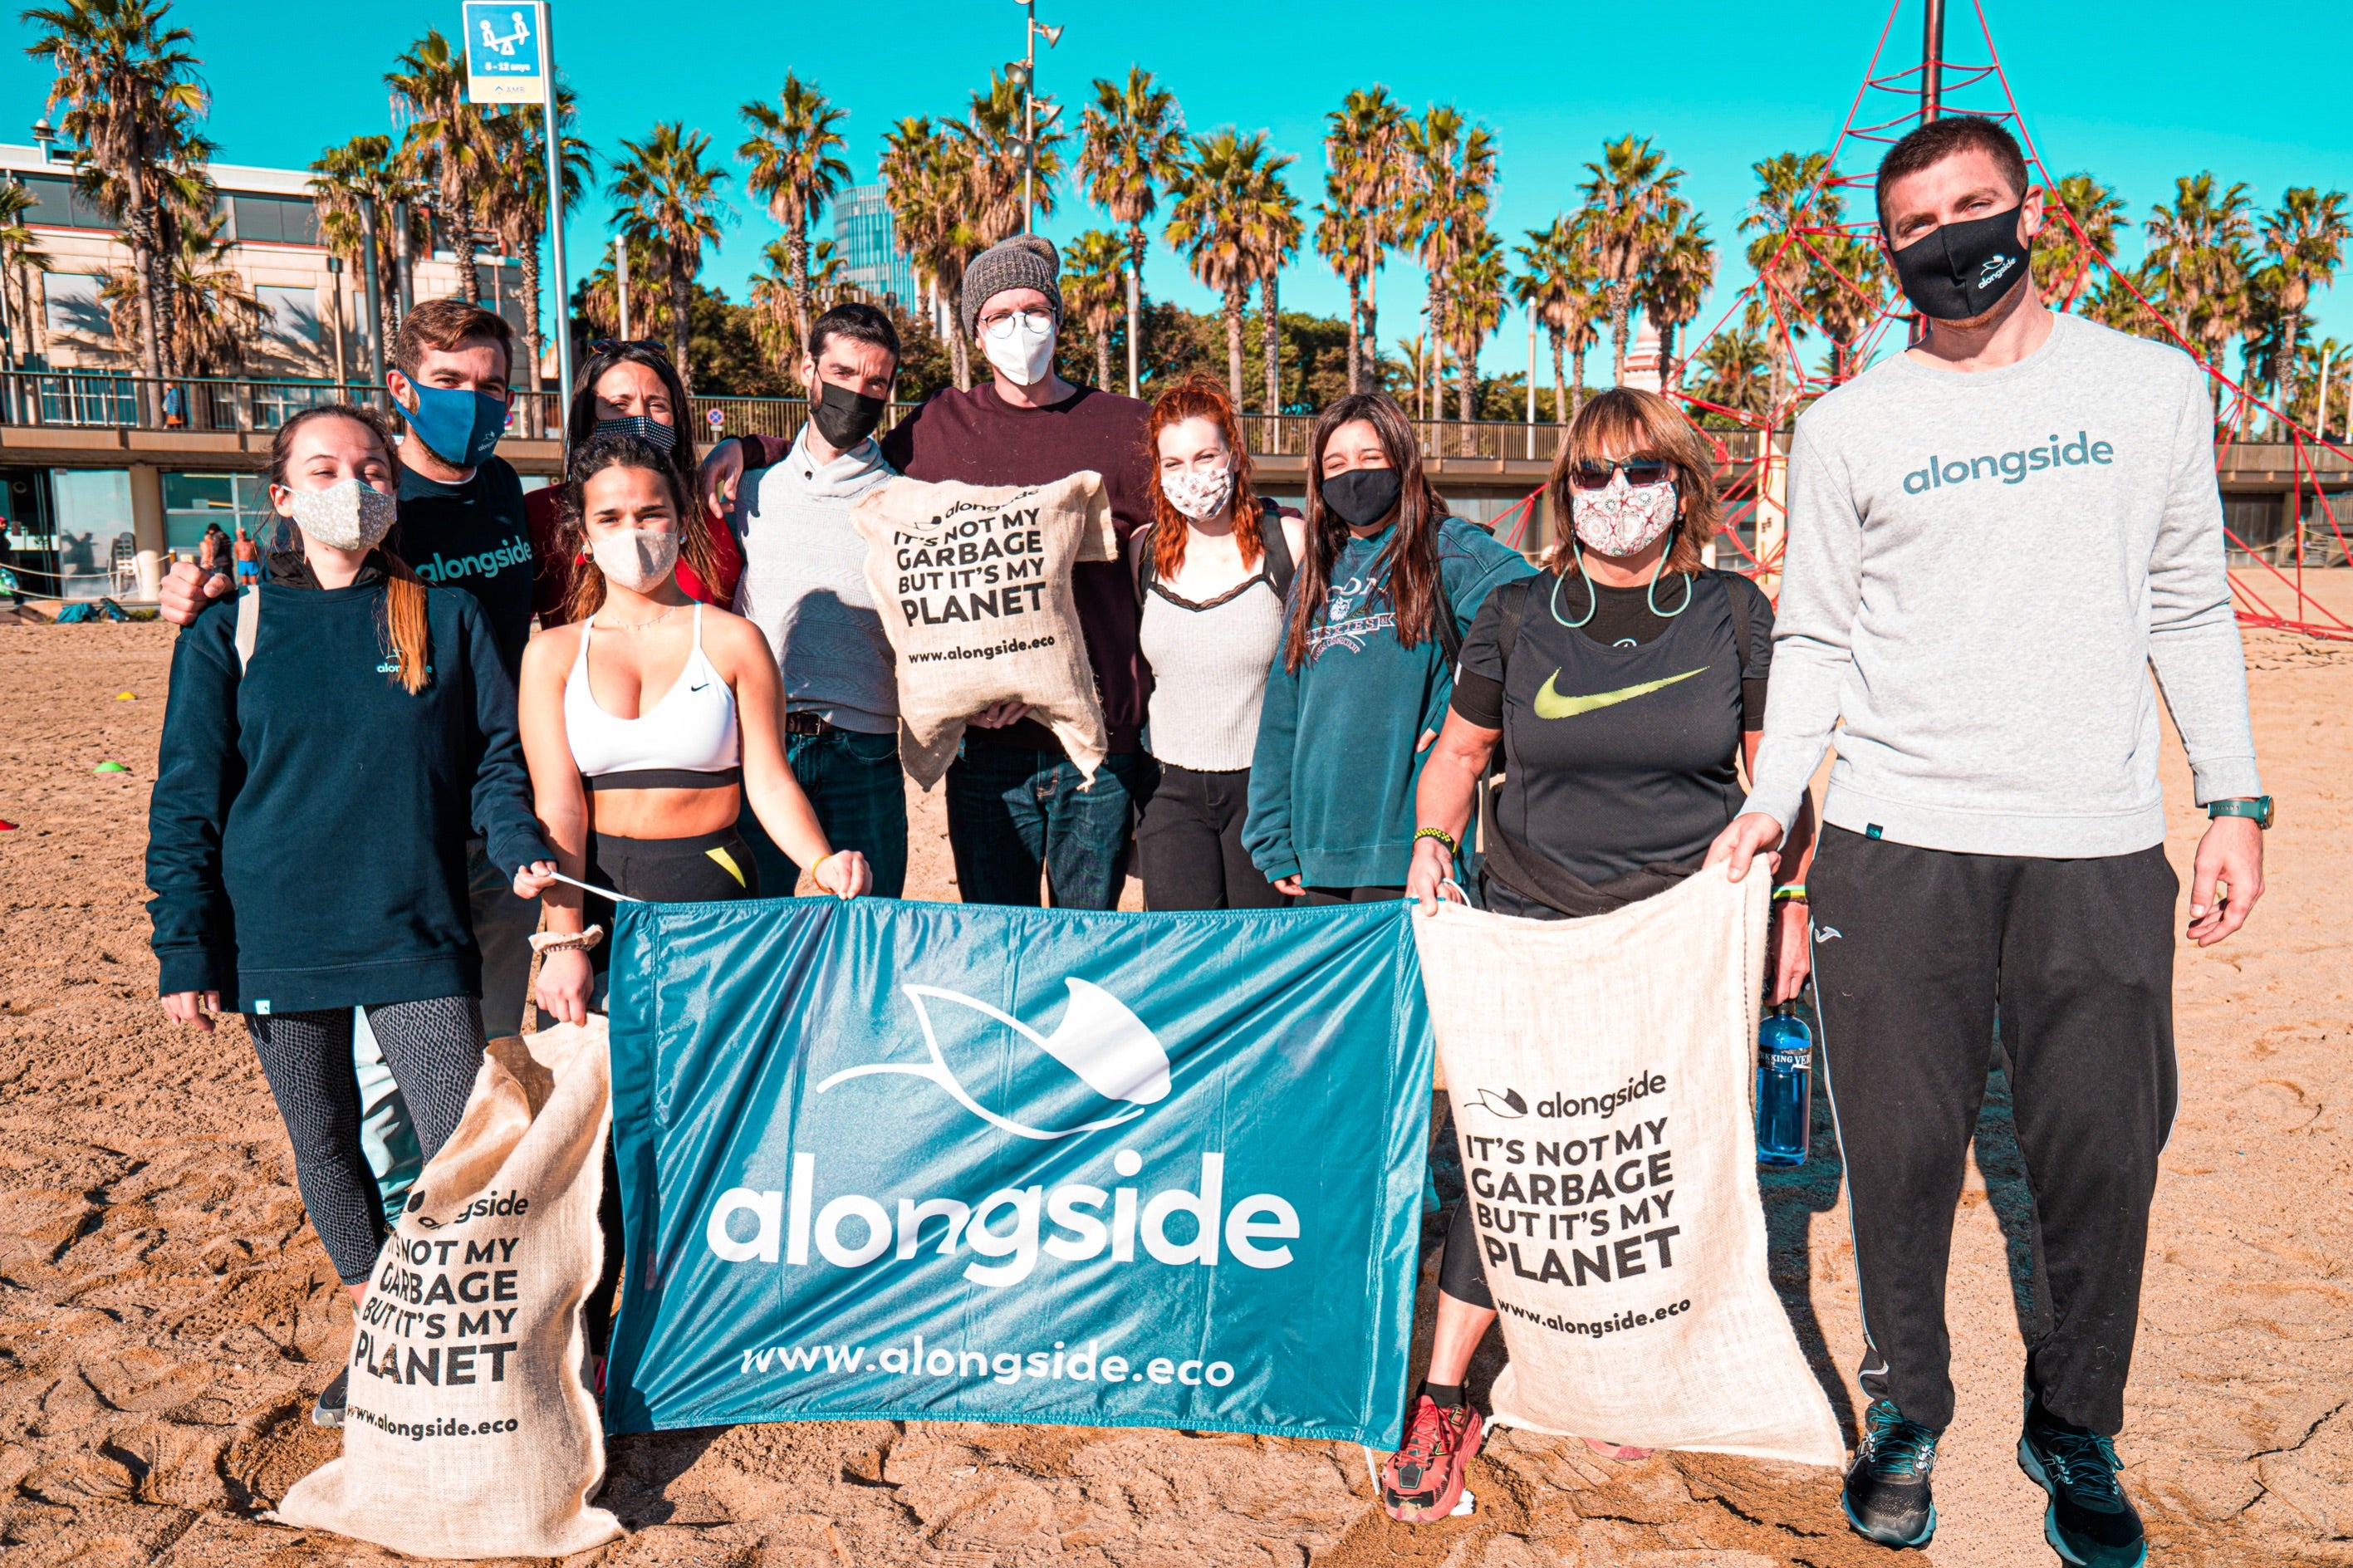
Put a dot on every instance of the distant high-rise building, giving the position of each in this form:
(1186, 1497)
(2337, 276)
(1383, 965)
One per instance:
(868, 244)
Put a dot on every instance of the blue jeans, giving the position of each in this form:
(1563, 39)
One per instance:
(1013, 813)
(854, 784)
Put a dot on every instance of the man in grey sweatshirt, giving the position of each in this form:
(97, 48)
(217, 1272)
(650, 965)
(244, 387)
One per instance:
(1993, 539)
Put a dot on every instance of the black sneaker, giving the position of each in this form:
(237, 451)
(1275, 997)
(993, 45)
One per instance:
(1887, 1482)
(2090, 1523)
(328, 1410)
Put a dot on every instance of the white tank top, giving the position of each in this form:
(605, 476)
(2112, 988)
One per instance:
(687, 741)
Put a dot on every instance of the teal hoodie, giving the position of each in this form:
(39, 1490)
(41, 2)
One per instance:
(1331, 785)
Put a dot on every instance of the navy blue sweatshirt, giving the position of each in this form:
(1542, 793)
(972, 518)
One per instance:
(306, 840)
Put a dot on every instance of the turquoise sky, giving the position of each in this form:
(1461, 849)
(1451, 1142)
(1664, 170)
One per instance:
(2136, 95)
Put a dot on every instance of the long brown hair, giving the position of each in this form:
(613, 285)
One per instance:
(572, 527)
(405, 621)
(1640, 425)
(1197, 397)
(694, 546)
(1408, 565)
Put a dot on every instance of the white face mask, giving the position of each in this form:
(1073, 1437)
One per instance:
(1022, 346)
(348, 516)
(638, 559)
(1623, 518)
(1200, 494)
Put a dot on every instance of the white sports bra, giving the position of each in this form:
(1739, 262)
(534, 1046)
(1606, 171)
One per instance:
(687, 741)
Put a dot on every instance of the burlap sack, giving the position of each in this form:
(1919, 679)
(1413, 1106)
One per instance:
(470, 1431)
(1600, 1073)
(973, 583)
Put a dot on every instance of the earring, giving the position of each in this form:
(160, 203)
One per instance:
(583, 555)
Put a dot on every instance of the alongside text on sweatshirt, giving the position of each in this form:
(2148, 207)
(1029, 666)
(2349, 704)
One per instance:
(307, 834)
(1331, 779)
(1982, 569)
(473, 536)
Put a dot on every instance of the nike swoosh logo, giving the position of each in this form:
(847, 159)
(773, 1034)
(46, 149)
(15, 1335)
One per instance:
(698, 687)
(1551, 704)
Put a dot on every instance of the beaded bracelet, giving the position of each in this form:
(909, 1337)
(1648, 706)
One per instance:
(1452, 846)
(564, 942)
(1795, 892)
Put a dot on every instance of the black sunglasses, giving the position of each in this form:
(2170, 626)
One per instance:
(607, 345)
(1593, 474)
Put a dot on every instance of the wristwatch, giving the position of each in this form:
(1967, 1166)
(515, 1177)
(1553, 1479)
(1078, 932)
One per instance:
(2258, 806)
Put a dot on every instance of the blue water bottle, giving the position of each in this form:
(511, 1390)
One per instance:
(1785, 1053)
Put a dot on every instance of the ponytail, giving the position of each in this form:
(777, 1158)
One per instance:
(404, 615)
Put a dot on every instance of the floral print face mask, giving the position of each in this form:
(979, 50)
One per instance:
(1622, 519)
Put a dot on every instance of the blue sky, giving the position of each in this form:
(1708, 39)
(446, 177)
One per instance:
(2172, 90)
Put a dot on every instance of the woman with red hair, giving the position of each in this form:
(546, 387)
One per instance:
(1212, 572)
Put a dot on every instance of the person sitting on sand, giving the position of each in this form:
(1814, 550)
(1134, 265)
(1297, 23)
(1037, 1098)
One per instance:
(333, 738)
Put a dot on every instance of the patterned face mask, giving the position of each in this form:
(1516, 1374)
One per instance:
(348, 516)
(1199, 494)
(1622, 519)
(635, 558)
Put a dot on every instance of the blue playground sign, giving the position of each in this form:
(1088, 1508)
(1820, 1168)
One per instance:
(504, 57)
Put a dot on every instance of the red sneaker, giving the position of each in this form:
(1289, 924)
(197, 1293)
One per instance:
(1423, 1480)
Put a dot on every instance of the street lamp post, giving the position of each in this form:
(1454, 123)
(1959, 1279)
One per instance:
(368, 277)
(1027, 70)
(622, 280)
(549, 109)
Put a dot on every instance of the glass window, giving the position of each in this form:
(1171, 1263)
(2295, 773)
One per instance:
(73, 304)
(289, 315)
(272, 220)
(93, 525)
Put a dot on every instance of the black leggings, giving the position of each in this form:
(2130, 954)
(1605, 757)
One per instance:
(709, 868)
(1190, 843)
(1354, 895)
(1460, 1272)
(434, 1048)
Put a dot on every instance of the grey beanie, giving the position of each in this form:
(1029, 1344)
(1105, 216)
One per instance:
(1025, 261)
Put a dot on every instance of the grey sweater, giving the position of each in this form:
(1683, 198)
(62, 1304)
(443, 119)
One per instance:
(1981, 569)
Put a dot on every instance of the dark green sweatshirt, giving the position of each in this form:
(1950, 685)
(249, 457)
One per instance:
(306, 840)
(1331, 781)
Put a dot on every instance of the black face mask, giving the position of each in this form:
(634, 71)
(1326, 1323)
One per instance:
(646, 429)
(1362, 497)
(1963, 270)
(845, 416)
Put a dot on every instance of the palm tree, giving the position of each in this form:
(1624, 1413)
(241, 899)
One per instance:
(448, 145)
(2063, 262)
(2201, 252)
(1453, 176)
(2304, 239)
(1682, 269)
(20, 250)
(794, 151)
(1736, 368)
(1629, 188)
(1130, 146)
(1275, 230)
(516, 209)
(776, 310)
(992, 137)
(126, 82)
(925, 178)
(1796, 202)
(1844, 293)
(1214, 218)
(1363, 189)
(1475, 307)
(181, 193)
(1092, 266)
(2112, 304)
(1413, 349)
(347, 180)
(1557, 285)
(670, 195)
(215, 314)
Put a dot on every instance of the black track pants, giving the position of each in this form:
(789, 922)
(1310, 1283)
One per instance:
(434, 1049)
(1915, 950)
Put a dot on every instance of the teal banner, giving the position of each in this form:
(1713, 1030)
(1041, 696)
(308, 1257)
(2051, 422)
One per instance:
(949, 1161)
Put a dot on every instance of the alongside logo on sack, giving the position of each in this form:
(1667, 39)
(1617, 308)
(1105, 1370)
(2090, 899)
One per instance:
(1102, 1041)
(1510, 1102)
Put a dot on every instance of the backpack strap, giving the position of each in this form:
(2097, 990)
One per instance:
(1140, 568)
(248, 627)
(1740, 622)
(1279, 567)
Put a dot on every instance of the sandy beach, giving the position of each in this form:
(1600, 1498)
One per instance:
(166, 1314)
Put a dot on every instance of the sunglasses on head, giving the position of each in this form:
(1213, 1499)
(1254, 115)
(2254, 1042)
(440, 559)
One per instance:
(1593, 474)
(607, 345)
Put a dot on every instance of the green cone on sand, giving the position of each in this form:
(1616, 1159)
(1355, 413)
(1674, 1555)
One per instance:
(110, 766)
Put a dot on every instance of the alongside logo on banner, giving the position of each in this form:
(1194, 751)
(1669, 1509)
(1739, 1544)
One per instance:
(942, 1161)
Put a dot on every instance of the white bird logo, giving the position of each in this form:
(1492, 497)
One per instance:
(1106, 1045)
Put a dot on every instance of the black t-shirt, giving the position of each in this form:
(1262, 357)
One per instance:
(1617, 754)
(472, 536)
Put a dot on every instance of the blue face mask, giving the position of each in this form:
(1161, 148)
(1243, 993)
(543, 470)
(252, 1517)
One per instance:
(460, 426)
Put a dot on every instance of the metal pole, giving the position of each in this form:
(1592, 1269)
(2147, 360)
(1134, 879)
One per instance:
(1029, 111)
(1932, 63)
(1134, 322)
(1532, 381)
(555, 202)
(621, 279)
(404, 271)
(375, 291)
(336, 299)
(2320, 423)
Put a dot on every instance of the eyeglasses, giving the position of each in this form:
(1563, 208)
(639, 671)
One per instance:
(1003, 326)
(1593, 474)
(607, 345)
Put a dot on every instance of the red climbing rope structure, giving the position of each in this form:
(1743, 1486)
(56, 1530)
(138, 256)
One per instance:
(1825, 276)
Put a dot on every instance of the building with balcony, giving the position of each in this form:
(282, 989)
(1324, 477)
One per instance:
(78, 528)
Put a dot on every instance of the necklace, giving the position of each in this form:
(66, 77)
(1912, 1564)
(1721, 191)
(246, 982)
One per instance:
(638, 625)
